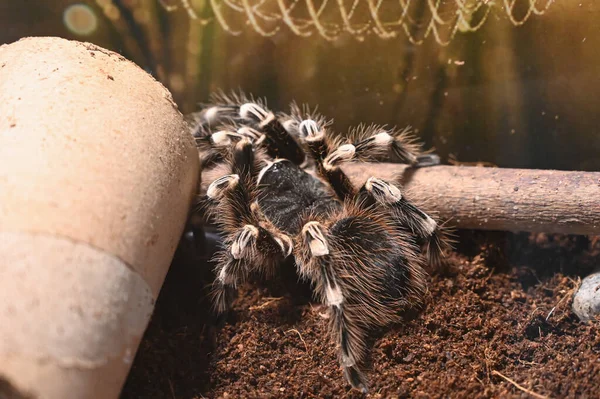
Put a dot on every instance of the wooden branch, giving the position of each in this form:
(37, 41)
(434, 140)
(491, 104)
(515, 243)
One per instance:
(499, 199)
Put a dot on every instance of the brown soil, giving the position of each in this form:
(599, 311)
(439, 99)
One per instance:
(500, 312)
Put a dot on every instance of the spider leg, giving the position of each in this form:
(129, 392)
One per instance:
(382, 145)
(211, 139)
(230, 272)
(316, 137)
(317, 264)
(422, 226)
(215, 147)
(251, 244)
(210, 118)
(249, 118)
(278, 141)
(351, 342)
(365, 270)
(251, 248)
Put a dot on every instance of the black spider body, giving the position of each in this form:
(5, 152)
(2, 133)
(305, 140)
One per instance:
(363, 250)
(287, 193)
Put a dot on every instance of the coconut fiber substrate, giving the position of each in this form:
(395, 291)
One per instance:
(497, 323)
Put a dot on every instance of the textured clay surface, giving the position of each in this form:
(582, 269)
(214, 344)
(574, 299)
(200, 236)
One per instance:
(97, 173)
(93, 149)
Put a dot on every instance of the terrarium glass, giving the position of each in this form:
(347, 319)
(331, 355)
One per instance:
(508, 82)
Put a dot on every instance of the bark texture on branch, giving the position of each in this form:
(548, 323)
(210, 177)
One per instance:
(532, 200)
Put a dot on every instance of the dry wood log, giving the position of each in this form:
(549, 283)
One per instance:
(470, 197)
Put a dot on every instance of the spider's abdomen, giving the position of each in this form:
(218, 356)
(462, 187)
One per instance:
(287, 193)
(376, 266)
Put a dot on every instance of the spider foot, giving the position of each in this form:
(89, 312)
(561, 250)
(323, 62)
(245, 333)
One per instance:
(385, 145)
(426, 160)
(355, 378)
(222, 297)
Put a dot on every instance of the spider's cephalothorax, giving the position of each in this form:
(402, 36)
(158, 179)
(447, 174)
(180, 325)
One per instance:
(363, 250)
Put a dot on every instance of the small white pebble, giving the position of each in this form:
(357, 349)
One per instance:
(586, 302)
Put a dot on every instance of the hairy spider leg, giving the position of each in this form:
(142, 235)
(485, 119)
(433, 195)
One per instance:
(251, 243)
(427, 231)
(365, 271)
(207, 153)
(214, 136)
(317, 140)
(279, 142)
(234, 116)
(381, 145)
(217, 146)
(211, 117)
(318, 264)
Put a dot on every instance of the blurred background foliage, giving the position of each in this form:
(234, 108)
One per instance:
(513, 83)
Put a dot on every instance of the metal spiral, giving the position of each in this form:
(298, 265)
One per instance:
(416, 19)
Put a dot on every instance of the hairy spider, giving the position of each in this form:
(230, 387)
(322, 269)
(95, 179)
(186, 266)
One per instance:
(363, 250)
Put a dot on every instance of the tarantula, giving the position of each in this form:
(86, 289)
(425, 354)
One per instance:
(363, 250)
